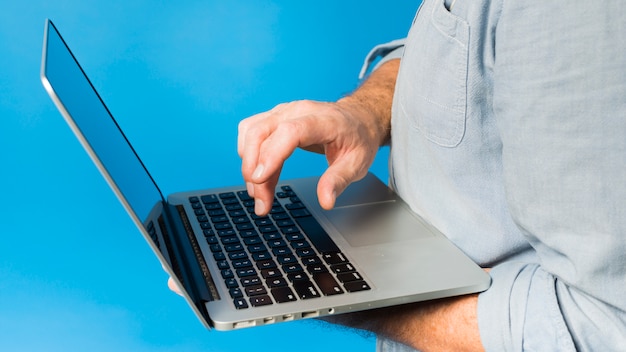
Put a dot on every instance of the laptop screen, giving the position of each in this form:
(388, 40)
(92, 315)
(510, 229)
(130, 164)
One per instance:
(86, 112)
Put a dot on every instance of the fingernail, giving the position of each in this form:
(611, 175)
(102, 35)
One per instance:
(250, 189)
(258, 172)
(259, 206)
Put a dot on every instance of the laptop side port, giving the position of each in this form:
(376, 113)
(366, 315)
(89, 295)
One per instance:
(244, 324)
(310, 314)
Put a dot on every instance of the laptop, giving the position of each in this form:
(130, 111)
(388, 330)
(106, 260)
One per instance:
(237, 269)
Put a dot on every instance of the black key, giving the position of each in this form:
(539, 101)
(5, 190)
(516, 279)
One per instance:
(226, 233)
(234, 207)
(235, 293)
(234, 248)
(256, 248)
(231, 283)
(235, 213)
(212, 206)
(243, 195)
(209, 198)
(291, 268)
(249, 241)
(242, 263)
(294, 206)
(327, 284)
(246, 272)
(266, 264)
(347, 277)
(250, 281)
(316, 268)
(289, 229)
(280, 216)
(305, 252)
(212, 240)
(215, 248)
(230, 240)
(287, 259)
(255, 290)
(194, 199)
(227, 274)
(223, 264)
(240, 219)
(311, 261)
(271, 273)
(276, 282)
(216, 212)
(283, 294)
(267, 228)
(219, 218)
(272, 236)
(227, 195)
(342, 268)
(305, 289)
(263, 222)
(219, 255)
(237, 255)
(284, 223)
(277, 243)
(257, 301)
(297, 276)
(294, 237)
(245, 226)
(300, 244)
(240, 303)
(223, 226)
(334, 258)
(203, 218)
(248, 233)
(355, 286)
(316, 234)
(261, 256)
(281, 251)
(229, 201)
(298, 213)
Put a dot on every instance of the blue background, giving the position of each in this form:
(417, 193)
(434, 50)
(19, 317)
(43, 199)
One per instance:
(75, 274)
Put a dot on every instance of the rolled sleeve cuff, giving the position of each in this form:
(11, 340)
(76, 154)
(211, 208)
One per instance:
(388, 51)
(520, 311)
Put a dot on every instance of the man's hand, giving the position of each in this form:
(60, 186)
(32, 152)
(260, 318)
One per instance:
(349, 132)
(337, 129)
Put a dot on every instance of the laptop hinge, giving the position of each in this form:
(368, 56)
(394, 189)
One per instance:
(197, 276)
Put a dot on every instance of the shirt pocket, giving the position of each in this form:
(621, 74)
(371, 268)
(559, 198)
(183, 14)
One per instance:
(432, 83)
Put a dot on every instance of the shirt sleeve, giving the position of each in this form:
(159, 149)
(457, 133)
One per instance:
(380, 54)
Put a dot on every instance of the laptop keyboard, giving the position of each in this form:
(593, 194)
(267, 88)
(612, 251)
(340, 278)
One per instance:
(282, 257)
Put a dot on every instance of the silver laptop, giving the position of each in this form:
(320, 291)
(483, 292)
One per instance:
(239, 270)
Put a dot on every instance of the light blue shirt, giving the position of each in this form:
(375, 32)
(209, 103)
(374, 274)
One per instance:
(509, 135)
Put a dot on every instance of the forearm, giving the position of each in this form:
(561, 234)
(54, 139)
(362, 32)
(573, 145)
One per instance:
(375, 97)
(441, 325)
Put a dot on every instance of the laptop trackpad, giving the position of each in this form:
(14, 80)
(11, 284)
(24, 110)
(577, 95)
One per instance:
(370, 224)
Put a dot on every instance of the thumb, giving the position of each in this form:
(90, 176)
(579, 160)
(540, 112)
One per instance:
(336, 179)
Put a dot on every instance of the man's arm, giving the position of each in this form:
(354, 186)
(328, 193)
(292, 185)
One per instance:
(448, 324)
